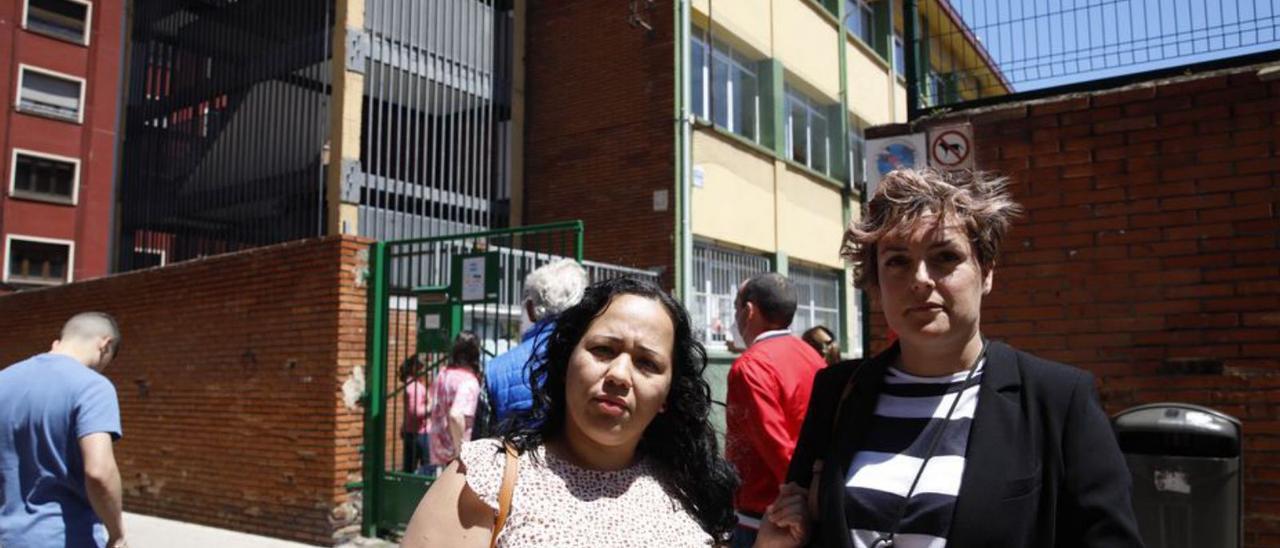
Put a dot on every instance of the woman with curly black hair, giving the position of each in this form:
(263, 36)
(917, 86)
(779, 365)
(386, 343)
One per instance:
(622, 454)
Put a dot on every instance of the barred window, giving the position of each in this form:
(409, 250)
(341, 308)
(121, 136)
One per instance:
(817, 299)
(717, 272)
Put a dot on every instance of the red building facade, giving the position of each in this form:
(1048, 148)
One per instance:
(60, 67)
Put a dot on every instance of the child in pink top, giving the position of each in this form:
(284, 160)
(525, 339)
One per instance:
(416, 410)
(453, 399)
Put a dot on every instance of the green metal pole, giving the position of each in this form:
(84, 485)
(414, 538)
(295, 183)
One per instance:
(846, 192)
(375, 387)
(683, 153)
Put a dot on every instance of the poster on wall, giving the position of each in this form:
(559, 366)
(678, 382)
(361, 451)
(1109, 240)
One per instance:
(890, 153)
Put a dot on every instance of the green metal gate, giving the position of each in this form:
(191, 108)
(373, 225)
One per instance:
(422, 292)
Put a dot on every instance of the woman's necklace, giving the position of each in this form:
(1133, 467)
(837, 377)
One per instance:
(885, 540)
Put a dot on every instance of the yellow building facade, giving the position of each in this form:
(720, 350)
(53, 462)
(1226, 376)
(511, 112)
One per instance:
(776, 148)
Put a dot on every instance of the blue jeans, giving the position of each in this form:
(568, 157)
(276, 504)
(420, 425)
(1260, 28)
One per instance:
(743, 537)
(423, 442)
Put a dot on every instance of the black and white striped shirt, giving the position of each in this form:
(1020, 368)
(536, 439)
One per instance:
(908, 414)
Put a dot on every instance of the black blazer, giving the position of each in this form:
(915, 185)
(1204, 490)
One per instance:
(1042, 467)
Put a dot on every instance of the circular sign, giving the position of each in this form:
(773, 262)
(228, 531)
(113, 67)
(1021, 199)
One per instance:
(950, 148)
(894, 156)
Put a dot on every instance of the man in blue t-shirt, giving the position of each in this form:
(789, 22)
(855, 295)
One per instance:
(59, 484)
(548, 291)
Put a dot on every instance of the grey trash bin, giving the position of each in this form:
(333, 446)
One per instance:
(1185, 462)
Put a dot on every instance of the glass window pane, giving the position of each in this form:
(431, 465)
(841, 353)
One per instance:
(868, 28)
(829, 319)
(899, 56)
(851, 18)
(33, 174)
(746, 104)
(798, 121)
(719, 90)
(857, 154)
(49, 95)
(37, 262)
(698, 80)
(58, 18)
(821, 143)
(62, 185)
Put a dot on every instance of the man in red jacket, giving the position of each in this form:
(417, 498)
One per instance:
(768, 394)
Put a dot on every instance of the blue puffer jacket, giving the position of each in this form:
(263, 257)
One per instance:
(507, 377)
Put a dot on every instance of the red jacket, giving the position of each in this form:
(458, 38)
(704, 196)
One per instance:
(768, 395)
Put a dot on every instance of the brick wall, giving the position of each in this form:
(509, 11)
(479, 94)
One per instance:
(1150, 253)
(230, 380)
(600, 129)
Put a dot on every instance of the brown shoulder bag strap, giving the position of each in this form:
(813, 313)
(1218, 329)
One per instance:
(509, 473)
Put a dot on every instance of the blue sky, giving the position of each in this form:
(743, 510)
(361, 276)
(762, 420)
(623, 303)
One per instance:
(1043, 43)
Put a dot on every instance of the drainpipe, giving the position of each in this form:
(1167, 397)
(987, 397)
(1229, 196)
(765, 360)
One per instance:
(683, 156)
(910, 54)
(847, 192)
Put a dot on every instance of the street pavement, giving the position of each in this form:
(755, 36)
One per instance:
(152, 532)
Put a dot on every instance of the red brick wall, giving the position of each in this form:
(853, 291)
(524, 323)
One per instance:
(93, 142)
(230, 380)
(600, 129)
(1150, 253)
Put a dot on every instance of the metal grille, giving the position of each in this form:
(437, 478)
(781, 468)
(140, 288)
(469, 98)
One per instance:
(817, 299)
(967, 50)
(717, 273)
(428, 145)
(604, 271)
(407, 274)
(225, 123)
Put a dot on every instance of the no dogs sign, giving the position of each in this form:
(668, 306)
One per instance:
(951, 147)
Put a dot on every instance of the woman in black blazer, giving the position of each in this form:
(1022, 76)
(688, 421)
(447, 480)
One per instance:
(948, 439)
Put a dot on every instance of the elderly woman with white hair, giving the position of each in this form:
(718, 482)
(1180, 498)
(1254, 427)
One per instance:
(548, 291)
(948, 438)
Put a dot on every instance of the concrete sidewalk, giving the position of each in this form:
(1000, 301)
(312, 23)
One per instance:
(152, 532)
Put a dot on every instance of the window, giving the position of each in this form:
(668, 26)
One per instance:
(147, 258)
(725, 88)
(51, 94)
(857, 153)
(63, 19)
(808, 139)
(937, 88)
(861, 20)
(817, 299)
(44, 177)
(717, 272)
(37, 261)
(899, 56)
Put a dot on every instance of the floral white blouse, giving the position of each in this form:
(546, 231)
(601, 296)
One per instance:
(555, 503)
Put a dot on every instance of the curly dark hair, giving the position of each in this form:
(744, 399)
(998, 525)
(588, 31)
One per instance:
(680, 440)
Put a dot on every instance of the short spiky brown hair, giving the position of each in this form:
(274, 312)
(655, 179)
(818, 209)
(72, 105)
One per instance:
(979, 203)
